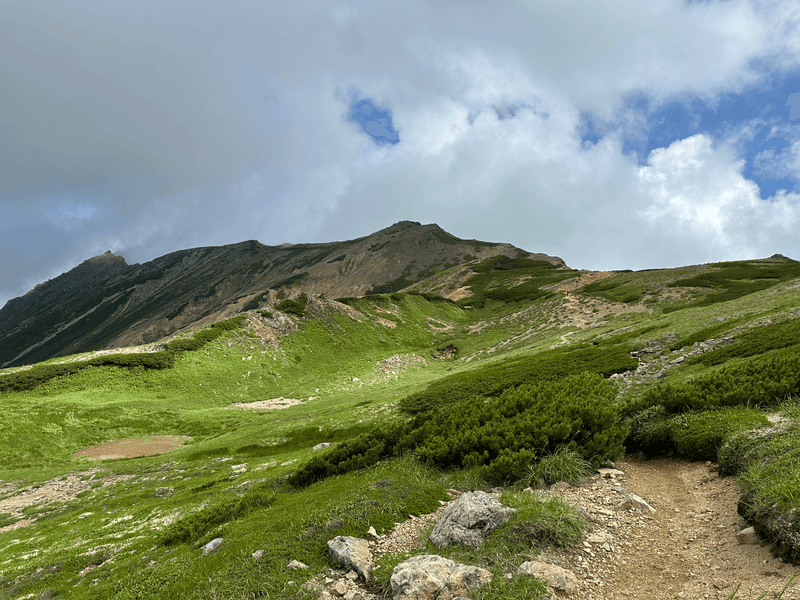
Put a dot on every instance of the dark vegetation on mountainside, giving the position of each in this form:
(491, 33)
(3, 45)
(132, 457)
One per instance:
(714, 283)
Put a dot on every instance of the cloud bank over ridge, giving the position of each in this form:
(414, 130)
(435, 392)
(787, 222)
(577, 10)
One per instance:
(614, 134)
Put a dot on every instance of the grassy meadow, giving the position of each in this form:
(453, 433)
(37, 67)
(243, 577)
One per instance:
(535, 387)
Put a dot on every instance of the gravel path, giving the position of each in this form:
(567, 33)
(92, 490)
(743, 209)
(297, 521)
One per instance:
(687, 548)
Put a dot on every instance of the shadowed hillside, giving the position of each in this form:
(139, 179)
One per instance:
(106, 303)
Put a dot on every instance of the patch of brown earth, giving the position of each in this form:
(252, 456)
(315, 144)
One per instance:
(272, 404)
(585, 278)
(133, 447)
(458, 294)
(687, 548)
(59, 489)
(387, 322)
(437, 325)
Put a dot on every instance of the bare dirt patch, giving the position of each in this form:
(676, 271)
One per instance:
(132, 447)
(437, 325)
(458, 293)
(272, 404)
(585, 278)
(387, 322)
(687, 549)
(60, 489)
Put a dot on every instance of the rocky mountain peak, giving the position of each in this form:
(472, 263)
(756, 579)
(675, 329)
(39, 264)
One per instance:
(106, 303)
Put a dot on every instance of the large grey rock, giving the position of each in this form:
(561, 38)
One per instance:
(429, 576)
(212, 546)
(554, 576)
(634, 501)
(353, 553)
(469, 519)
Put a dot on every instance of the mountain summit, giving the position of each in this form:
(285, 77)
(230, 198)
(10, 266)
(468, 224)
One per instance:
(106, 303)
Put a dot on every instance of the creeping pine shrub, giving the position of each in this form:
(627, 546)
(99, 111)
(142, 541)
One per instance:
(192, 527)
(699, 436)
(694, 435)
(294, 307)
(164, 359)
(762, 381)
(356, 453)
(784, 334)
(502, 436)
(491, 380)
(505, 434)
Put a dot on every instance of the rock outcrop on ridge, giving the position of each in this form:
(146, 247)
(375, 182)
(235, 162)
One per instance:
(106, 303)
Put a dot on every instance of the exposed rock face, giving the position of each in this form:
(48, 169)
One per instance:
(352, 553)
(106, 303)
(634, 501)
(212, 546)
(429, 576)
(553, 575)
(747, 536)
(470, 519)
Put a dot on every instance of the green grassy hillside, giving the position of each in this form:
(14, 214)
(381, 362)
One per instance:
(537, 376)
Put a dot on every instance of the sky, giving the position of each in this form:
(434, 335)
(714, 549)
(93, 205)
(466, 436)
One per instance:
(615, 134)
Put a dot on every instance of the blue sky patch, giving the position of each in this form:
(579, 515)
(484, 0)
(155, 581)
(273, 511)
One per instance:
(375, 120)
(768, 161)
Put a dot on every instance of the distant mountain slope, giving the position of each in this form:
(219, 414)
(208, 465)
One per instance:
(106, 303)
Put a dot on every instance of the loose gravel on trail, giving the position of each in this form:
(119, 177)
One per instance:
(687, 548)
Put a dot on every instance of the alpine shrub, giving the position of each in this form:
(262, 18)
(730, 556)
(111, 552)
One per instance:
(505, 434)
(697, 435)
(192, 527)
(356, 453)
(491, 380)
(294, 307)
(763, 381)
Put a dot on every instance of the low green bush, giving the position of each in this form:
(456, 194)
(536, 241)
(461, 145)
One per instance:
(649, 432)
(699, 436)
(294, 307)
(163, 359)
(770, 491)
(493, 379)
(356, 453)
(694, 435)
(701, 335)
(759, 340)
(763, 381)
(506, 434)
(731, 280)
(507, 280)
(741, 450)
(194, 526)
(617, 288)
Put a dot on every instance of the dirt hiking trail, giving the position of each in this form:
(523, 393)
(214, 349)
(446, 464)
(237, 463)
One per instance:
(687, 548)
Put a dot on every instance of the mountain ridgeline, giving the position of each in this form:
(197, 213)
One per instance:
(106, 303)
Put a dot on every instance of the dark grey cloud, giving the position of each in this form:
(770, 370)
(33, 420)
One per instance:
(121, 103)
